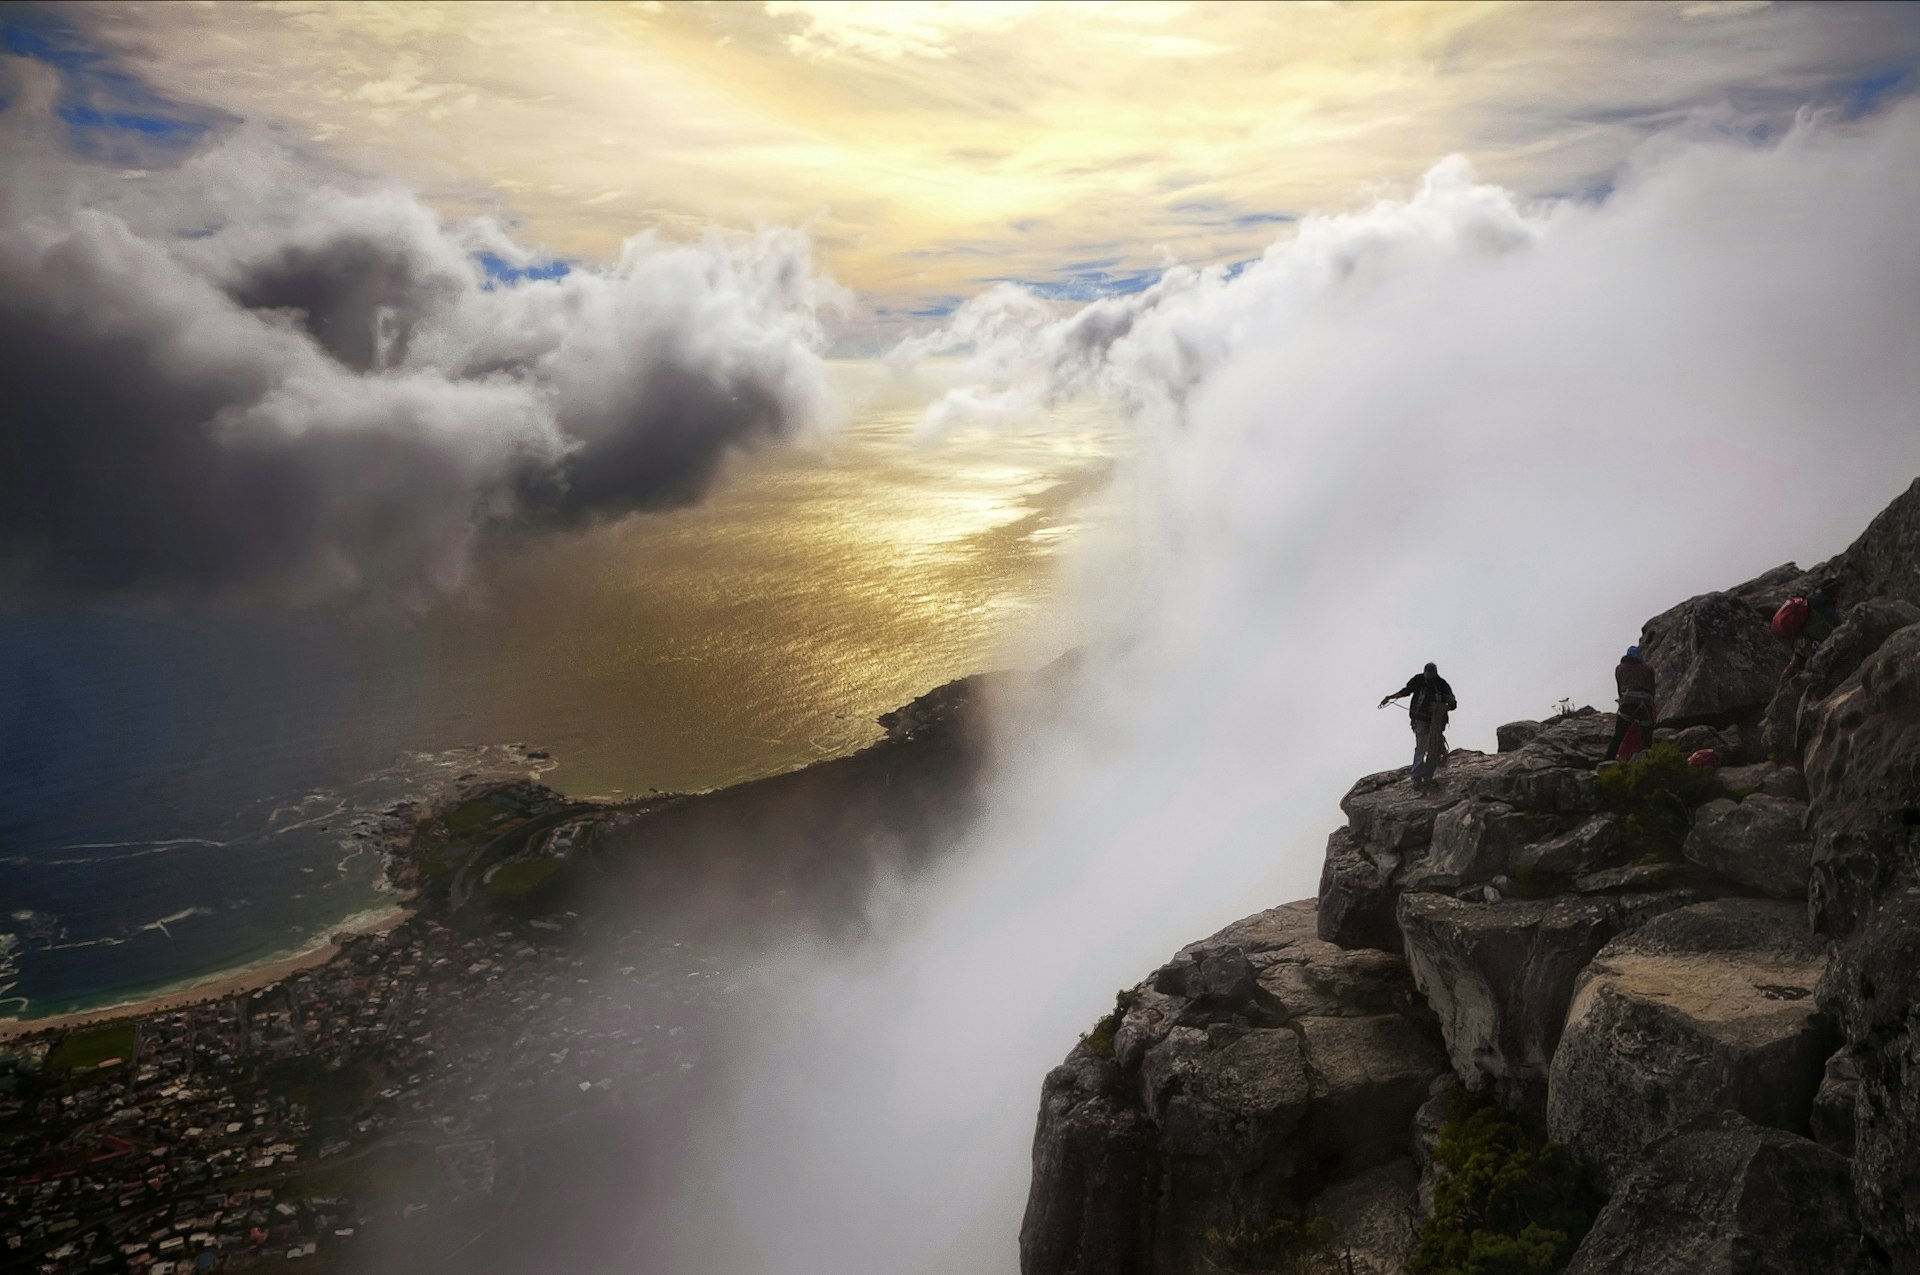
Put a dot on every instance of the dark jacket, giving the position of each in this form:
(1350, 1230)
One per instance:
(1634, 679)
(1424, 692)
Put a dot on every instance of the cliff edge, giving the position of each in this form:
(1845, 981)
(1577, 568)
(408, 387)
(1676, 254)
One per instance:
(1678, 1008)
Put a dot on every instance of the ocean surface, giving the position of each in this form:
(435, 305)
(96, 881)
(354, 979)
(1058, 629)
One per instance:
(186, 792)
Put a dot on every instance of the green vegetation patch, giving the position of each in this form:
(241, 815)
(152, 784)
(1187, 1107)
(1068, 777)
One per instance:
(1655, 795)
(1506, 1202)
(518, 880)
(469, 817)
(1100, 1039)
(91, 1046)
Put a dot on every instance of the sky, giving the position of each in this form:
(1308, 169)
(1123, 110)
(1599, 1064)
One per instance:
(930, 149)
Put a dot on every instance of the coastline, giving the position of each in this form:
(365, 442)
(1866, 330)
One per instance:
(215, 986)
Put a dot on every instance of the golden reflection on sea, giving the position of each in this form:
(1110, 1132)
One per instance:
(816, 587)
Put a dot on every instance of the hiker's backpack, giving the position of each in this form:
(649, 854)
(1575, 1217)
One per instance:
(1633, 743)
(1790, 619)
(1706, 758)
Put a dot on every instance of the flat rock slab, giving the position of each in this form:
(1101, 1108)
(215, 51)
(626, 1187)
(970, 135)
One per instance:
(1705, 1008)
(1730, 1198)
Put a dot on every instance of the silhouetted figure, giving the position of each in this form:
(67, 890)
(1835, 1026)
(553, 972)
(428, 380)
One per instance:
(1634, 681)
(1427, 712)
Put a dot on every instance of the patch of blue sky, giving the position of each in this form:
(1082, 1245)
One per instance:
(1085, 285)
(104, 107)
(501, 271)
(937, 308)
(1869, 93)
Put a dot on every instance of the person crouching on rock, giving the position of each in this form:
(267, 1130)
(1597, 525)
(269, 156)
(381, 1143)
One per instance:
(1427, 710)
(1633, 679)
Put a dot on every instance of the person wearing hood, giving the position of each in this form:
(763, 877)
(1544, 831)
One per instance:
(1633, 679)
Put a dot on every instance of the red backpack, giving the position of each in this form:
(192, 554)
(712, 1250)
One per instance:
(1790, 619)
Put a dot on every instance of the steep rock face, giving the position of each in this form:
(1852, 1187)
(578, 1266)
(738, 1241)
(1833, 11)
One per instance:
(1760, 842)
(1500, 976)
(1874, 989)
(1255, 1072)
(1885, 560)
(1728, 1197)
(1716, 660)
(1863, 775)
(1707, 1007)
(1357, 891)
(1772, 778)
(1863, 629)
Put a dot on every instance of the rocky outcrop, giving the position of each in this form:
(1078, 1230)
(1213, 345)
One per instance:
(1863, 777)
(1728, 1197)
(1664, 996)
(1500, 977)
(1874, 990)
(1255, 1073)
(1706, 1008)
(1716, 659)
(1760, 843)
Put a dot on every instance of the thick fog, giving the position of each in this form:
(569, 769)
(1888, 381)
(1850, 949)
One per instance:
(1448, 427)
(249, 374)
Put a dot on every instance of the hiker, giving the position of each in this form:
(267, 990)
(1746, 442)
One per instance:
(1633, 679)
(1803, 624)
(1427, 710)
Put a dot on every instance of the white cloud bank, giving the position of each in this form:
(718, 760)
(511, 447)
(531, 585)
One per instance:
(1446, 428)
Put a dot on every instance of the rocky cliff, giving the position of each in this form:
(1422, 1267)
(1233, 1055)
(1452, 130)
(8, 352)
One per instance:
(1704, 985)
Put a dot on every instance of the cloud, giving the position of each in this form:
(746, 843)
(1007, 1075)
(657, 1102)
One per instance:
(1458, 426)
(248, 376)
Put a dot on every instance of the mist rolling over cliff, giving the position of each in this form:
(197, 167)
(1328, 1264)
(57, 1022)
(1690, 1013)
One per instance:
(1455, 427)
(618, 624)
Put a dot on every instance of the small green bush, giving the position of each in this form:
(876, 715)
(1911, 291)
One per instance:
(1506, 1203)
(1562, 710)
(1285, 1246)
(1100, 1039)
(1655, 795)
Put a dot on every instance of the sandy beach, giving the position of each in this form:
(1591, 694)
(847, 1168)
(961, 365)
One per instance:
(213, 988)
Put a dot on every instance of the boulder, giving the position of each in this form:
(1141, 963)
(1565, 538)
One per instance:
(1585, 847)
(1375, 1217)
(1874, 990)
(1500, 976)
(1258, 1070)
(1716, 660)
(1706, 1007)
(1729, 1197)
(1771, 778)
(1515, 735)
(1760, 842)
(1885, 560)
(1832, 1117)
(1474, 841)
(1357, 896)
(1863, 781)
(1863, 629)
(1691, 739)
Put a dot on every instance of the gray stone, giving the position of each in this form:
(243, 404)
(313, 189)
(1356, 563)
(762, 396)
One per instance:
(1885, 560)
(1499, 976)
(1771, 778)
(1375, 1217)
(1832, 1117)
(1357, 895)
(1587, 846)
(1863, 630)
(1716, 660)
(1707, 1007)
(1473, 842)
(1515, 735)
(1691, 739)
(1863, 779)
(1259, 1069)
(1874, 989)
(1760, 842)
(1628, 878)
(1728, 1197)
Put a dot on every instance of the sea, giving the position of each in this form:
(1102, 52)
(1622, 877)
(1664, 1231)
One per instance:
(185, 792)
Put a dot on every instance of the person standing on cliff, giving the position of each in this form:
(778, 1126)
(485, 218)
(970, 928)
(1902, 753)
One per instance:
(1427, 710)
(1633, 679)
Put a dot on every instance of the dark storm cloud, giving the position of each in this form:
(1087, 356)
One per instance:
(238, 377)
